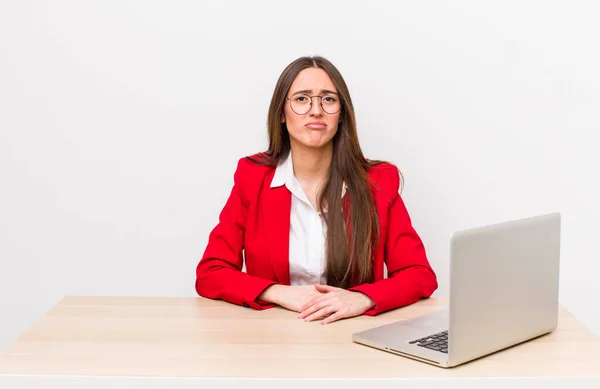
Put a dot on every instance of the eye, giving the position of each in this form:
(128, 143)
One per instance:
(301, 99)
(329, 99)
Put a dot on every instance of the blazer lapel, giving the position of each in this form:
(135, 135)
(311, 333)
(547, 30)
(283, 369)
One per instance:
(276, 213)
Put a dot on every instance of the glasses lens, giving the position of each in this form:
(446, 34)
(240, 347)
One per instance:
(300, 104)
(331, 103)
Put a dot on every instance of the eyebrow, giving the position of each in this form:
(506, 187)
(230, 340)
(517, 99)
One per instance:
(310, 91)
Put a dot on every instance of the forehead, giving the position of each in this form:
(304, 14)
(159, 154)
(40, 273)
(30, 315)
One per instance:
(312, 79)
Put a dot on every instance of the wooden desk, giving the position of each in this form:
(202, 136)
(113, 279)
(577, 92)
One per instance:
(186, 341)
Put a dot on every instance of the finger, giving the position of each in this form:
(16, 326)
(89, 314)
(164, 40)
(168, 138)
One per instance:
(323, 312)
(336, 316)
(313, 308)
(309, 304)
(315, 300)
(324, 288)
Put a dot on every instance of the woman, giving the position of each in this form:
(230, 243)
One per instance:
(316, 221)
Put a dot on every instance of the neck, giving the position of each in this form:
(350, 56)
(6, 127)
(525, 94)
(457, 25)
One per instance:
(311, 164)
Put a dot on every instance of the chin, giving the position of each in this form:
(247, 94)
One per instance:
(316, 145)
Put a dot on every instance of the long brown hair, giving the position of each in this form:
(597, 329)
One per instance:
(351, 239)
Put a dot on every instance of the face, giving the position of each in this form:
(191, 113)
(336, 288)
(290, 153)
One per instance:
(315, 128)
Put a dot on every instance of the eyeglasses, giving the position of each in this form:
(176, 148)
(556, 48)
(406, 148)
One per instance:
(302, 104)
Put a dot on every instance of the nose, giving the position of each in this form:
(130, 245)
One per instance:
(315, 108)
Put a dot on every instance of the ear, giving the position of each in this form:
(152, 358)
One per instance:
(282, 118)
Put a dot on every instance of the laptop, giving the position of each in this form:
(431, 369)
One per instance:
(503, 291)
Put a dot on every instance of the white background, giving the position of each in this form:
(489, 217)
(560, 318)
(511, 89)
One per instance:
(121, 123)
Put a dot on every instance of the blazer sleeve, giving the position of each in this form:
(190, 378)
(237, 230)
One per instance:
(410, 276)
(219, 273)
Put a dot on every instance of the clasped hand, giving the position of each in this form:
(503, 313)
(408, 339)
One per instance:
(325, 302)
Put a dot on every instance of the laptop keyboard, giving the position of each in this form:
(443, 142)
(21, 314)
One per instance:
(437, 342)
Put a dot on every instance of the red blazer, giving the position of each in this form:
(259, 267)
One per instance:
(256, 221)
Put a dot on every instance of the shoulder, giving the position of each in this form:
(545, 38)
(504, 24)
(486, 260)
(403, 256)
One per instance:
(385, 179)
(250, 171)
(252, 165)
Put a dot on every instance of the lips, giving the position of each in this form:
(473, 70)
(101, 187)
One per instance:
(316, 125)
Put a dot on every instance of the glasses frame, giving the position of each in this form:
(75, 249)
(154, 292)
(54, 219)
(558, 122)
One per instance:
(311, 102)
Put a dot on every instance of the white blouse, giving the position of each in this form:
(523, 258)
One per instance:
(307, 230)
